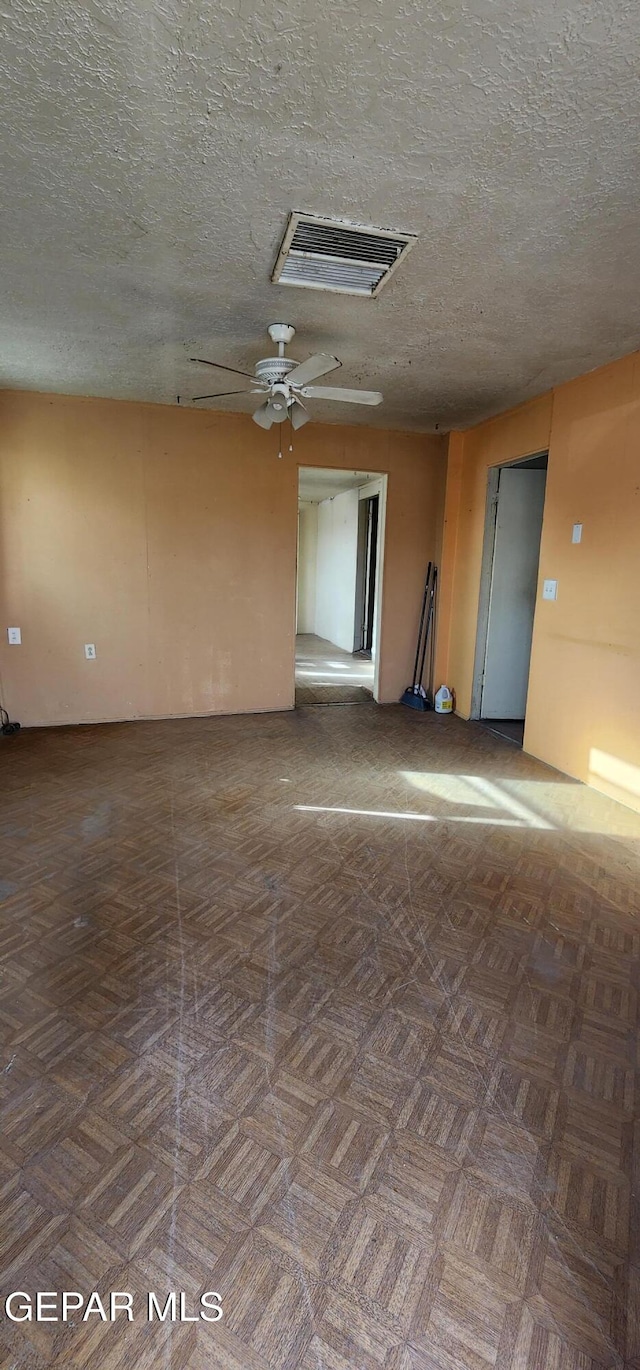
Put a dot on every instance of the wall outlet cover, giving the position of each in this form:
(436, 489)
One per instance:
(550, 589)
(90, 651)
(576, 535)
(15, 636)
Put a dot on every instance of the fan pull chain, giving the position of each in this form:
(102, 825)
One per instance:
(280, 440)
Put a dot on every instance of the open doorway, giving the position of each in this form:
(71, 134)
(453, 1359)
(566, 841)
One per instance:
(515, 505)
(341, 518)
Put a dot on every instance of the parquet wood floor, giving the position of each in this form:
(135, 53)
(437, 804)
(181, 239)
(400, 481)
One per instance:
(333, 1012)
(325, 674)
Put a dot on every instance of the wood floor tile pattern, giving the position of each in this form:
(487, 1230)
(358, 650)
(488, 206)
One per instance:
(372, 1077)
(326, 674)
(332, 694)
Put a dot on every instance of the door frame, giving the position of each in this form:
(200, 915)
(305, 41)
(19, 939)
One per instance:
(377, 486)
(486, 573)
(366, 573)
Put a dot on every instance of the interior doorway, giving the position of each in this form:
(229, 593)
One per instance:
(509, 579)
(341, 516)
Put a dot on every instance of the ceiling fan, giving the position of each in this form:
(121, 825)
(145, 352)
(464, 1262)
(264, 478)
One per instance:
(285, 383)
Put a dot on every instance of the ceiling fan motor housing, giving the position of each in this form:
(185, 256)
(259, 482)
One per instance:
(274, 370)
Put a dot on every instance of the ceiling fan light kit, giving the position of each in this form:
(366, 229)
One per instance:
(284, 383)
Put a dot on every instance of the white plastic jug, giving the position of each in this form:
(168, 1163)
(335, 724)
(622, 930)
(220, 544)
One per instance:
(443, 702)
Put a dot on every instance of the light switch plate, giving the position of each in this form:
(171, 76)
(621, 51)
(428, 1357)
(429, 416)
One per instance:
(90, 651)
(576, 535)
(550, 589)
(15, 636)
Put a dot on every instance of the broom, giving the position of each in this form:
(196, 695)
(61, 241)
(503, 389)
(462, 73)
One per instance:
(415, 695)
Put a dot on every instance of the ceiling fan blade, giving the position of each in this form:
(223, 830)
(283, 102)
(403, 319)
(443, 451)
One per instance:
(222, 367)
(220, 395)
(314, 366)
(335, 392)
(262, 415)
(298, 414)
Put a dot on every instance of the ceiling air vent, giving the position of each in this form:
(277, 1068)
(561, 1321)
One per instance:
(330, 254)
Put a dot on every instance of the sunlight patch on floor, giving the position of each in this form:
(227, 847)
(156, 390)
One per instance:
(475, 790)
(324, 678)
(417, 817)
(539, 803)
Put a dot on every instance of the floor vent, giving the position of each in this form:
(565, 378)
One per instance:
(330, 254)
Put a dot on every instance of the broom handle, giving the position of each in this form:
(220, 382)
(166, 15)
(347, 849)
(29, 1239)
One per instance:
(432, 590)
(424, 606)
(432, 649)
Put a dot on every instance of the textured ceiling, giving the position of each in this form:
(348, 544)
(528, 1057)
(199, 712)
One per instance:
(151, 153)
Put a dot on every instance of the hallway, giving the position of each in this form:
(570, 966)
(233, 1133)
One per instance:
(326, 674)
(332, 1011)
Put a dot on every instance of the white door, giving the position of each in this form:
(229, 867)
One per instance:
(512, 596)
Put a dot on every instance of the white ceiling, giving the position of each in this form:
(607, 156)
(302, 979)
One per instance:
(151, 153)
(316, 483)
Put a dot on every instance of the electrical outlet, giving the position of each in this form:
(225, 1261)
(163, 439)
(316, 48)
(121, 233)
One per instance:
(550, 589)
(90, 651)
(15, 636)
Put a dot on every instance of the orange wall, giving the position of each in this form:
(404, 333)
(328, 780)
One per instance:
(168, 538)
(589, 648)
(583, 707)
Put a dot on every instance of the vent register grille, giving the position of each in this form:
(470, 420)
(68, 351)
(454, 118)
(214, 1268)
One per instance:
(326, 254)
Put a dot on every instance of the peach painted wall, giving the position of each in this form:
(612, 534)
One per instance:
(583, 707)
(168, 538)
(583, 713)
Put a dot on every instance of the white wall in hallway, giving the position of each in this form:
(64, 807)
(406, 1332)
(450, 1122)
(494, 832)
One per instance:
(336, 568)
(307, 557)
